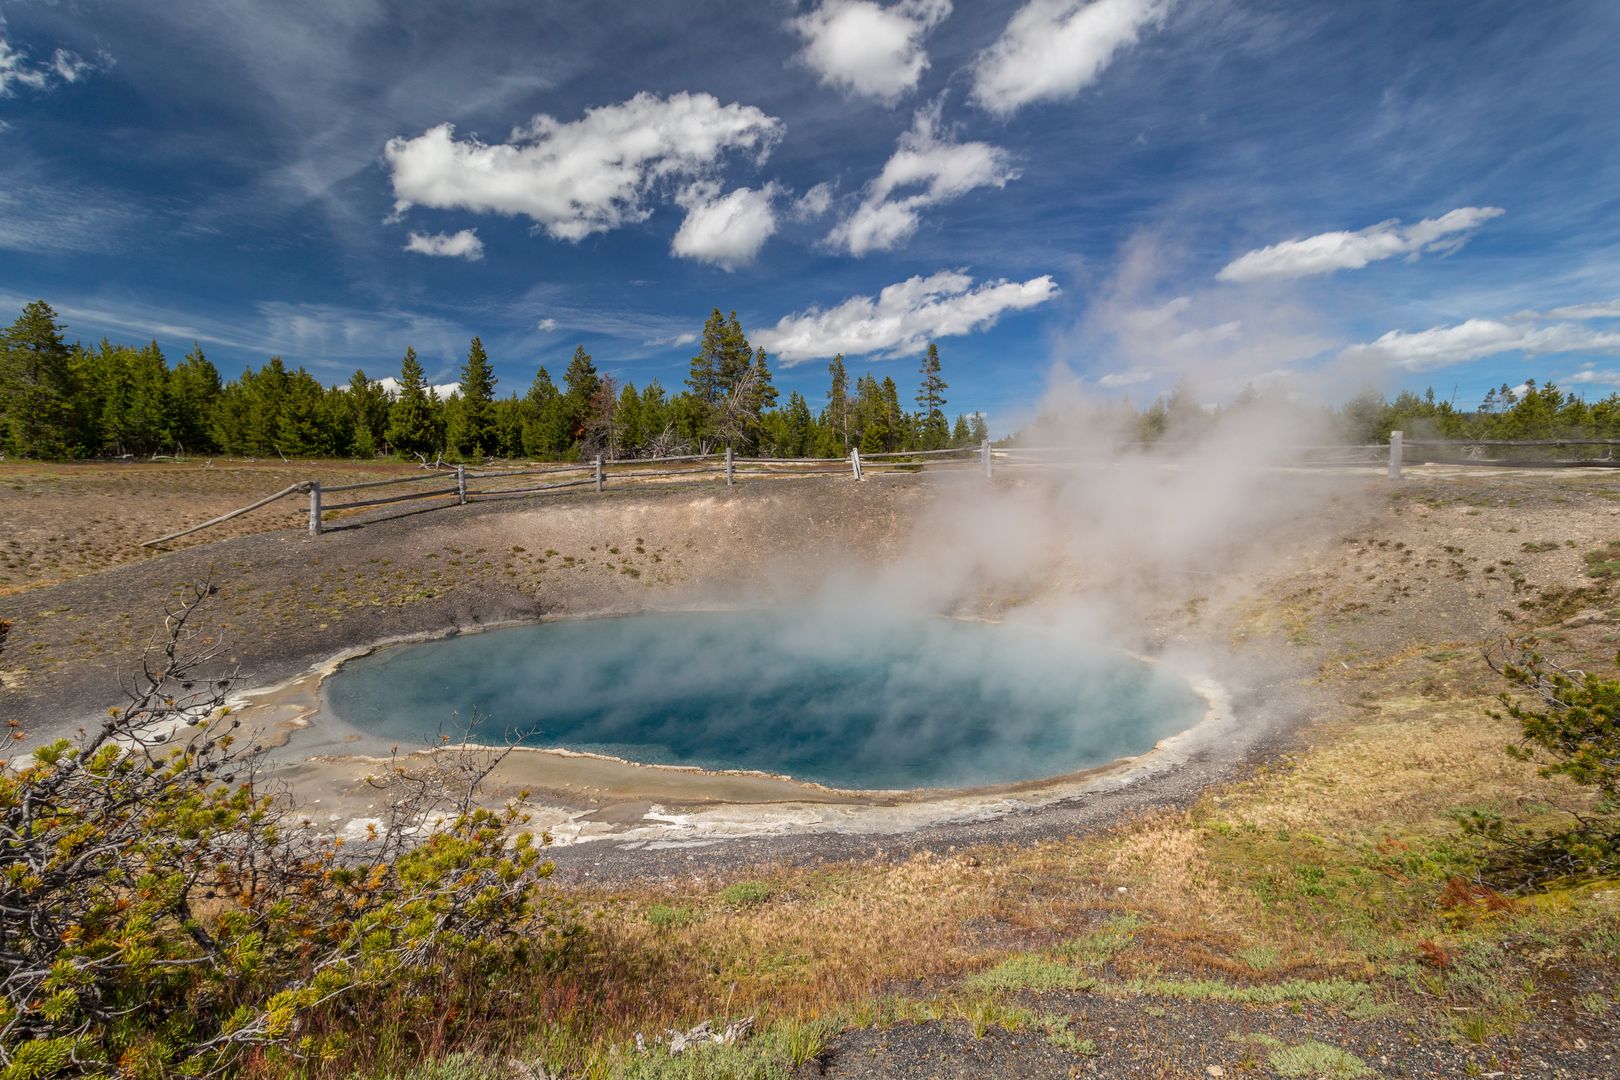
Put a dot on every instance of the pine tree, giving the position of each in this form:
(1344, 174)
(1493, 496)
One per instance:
(37, 417)
(303, 427)
(736, 357)
(367, 407)
(148, 422)
(194, 393)
(931, 402)
(961, 434)
(655, 410)
(980, 429)
(800, 427)
(838, 401)
(632, 432)
(509, 412)
(477, 402)
(894, 418)
(545, 431)
(703, 377)
(266, 392)
(413, 421)
(763, 389)
(581, 383)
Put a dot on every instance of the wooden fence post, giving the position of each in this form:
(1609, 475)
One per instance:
(599, 473)
(984, 452)
(1395, 438)
(730, 472)
(461, 484)
(314, 508)
(855, 461)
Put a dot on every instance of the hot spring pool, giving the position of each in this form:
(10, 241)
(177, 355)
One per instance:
(857, 702)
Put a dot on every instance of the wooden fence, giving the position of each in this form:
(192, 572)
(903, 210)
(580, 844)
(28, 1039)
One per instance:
(464, 485)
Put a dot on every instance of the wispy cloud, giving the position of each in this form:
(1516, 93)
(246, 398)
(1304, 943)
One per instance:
(1605, 309)
(867, 49)
(546, 325)
(724, 230)
(1592, 377)
(1475, 339)
(903, 318)
(673, 341)
(19, 72)
(1328, 252)
(578, 177)
(462, 245)
(813, 203)
(64, 217)
(926, 169)
(1132, 377)
(1053, 49)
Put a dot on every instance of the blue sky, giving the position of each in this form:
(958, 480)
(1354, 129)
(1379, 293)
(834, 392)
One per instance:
(1318, 195)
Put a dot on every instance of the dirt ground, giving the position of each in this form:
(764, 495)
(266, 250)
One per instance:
(1310, 853)
(64, 521)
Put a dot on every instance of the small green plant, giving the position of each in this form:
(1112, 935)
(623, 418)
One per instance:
(1117, 933)
(666, 917)
(1317, 1061)
(1604, 563)
(1260, 957)
(745, 894)
(1029, 971)
(1596, 1004)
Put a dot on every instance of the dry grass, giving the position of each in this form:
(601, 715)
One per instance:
(66, 520)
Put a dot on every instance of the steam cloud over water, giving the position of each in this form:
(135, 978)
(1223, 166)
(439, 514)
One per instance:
(854, 700)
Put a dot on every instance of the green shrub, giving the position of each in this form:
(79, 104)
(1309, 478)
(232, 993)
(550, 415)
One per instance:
(745, 894)
(1570, 725)
(163, 913)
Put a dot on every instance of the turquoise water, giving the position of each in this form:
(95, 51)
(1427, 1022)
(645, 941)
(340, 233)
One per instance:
(853, 702)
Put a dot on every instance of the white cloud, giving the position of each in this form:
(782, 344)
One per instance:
(15, 70)
(1475, 339)
(1125, 378)
(546, 326)
(462, 245)
(18, 71)
(390, 386)
(924, 170)
(675, 341)
(70, 67)
(903, 318)
(813, 203)
(580, 177)
(1606, 309)
(1053, 49)
(724, 230)
(1331, 251)
(1591, 377)
(867, 49)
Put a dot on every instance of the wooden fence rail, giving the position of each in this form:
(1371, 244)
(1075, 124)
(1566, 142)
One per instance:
(601, 473)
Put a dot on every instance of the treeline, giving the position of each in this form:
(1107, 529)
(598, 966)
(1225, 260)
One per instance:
(1530, 410)
(61, 400)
